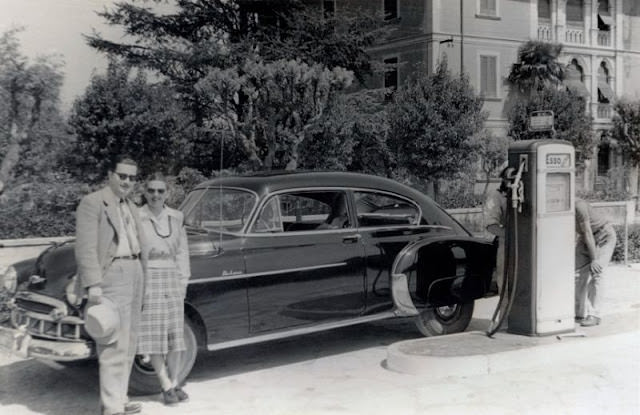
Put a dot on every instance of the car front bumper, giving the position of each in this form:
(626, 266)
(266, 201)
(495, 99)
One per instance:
(21, 343)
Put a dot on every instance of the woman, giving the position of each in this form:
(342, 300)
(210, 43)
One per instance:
(162, 321)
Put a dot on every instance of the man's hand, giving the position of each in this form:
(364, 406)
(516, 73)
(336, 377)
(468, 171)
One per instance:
(94, 295)
(596, 268)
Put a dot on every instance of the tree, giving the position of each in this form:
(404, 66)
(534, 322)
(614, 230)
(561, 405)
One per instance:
(492, 152)
(199, 35)
(537, 67)
(350, 136)
(313, 35)
(121, 112)
(267, 108)
(30, 120)
(432, 123)
(626, 130)
(570, 121)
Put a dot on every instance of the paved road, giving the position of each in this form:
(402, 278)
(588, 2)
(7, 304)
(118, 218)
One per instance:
(343, 372)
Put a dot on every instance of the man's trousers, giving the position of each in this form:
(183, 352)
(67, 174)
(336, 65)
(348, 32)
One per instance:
(589, 286)
(122, 284)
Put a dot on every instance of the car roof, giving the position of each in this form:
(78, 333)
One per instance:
(273, 181)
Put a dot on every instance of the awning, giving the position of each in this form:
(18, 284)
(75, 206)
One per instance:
(605, 90)
(577, 87)
(606, 20)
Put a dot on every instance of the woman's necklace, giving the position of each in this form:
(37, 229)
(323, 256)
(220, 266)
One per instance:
(155, 228)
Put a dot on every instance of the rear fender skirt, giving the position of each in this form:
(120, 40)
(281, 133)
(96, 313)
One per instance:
(406, 262)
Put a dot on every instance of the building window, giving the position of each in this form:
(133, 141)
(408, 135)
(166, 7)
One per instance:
(605, 93)
(390, 9)
(544, 9)
(488, 7)
(489, 76)
(604, 163)
(575, 11)
(390, 77)
(605, 21)
(574, 80)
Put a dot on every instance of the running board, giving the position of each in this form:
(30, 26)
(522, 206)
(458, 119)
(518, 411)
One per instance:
(300, 331)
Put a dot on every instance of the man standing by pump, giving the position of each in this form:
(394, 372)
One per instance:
(110, 270)
(595, 242)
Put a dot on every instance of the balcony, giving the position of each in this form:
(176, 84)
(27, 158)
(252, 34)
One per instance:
(545, 32)
(574, 35)
(604, 111)
(604, 38)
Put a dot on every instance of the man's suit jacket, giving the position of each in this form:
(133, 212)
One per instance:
(97, 236)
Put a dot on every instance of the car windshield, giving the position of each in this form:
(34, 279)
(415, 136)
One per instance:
(219, 209)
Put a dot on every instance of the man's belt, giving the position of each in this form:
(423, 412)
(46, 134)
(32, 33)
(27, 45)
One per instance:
(131, 257)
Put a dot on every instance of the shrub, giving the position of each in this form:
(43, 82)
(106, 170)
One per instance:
(41, 208)
(633, 253)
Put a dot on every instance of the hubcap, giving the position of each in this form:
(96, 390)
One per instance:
(447, 312)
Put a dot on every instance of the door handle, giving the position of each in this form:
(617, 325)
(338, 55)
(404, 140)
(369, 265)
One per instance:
(351, 239)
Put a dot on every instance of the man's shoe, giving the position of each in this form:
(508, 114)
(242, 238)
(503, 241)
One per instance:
(132, 408)
(182, 395)
(578, 319)
(590, 321)
(169, 397)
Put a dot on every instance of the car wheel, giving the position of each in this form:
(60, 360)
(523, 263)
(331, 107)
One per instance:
(143, 380)
(435, 321)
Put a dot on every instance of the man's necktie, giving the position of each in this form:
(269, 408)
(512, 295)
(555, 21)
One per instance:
(129, 227)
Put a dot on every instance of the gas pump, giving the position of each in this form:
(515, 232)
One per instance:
(538, 293)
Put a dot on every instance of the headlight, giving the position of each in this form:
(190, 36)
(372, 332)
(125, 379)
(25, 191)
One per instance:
(10, 279)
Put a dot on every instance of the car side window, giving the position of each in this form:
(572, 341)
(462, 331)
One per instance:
(380, 209)
(224, 210)
(304, 211)
(269, 219)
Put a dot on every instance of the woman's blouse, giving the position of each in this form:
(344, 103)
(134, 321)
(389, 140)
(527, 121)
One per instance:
(166, 240)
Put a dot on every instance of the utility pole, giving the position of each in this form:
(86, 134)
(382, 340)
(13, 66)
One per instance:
(461, 37)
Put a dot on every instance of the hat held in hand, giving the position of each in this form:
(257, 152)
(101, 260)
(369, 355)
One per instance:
(101, 321)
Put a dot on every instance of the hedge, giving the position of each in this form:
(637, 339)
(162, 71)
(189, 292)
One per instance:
(633, 249)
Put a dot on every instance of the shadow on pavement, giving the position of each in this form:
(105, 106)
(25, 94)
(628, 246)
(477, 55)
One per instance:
(50, 388)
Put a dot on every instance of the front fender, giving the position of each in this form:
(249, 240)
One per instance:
(441, 271)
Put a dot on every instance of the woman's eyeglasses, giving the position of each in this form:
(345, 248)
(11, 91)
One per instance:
(158, 191)
(123, 177)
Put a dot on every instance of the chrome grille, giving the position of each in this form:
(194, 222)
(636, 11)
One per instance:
(68, 328)
(34, 306)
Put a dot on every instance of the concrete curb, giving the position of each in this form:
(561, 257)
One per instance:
(473, 353)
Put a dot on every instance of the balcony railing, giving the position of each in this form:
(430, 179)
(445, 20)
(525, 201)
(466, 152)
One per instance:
(604, 111)
(604, 38)
(545, 32)
(574, 35)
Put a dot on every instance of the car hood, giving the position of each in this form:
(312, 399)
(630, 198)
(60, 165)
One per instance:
(52, 271)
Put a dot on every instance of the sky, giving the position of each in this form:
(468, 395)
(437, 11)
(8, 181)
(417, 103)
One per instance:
(56, 27)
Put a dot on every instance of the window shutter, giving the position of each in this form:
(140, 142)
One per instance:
(488, 76)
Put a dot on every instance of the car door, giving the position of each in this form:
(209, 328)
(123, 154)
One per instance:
(305, 261)
(217, 287)
(386, 223)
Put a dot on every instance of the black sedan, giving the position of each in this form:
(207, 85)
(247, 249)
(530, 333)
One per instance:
(277, 255)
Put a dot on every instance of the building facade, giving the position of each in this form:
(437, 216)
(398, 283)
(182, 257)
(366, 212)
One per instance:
(601, 47)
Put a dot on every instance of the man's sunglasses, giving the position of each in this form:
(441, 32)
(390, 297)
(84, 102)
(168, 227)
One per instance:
(123, 177)
(158, 191)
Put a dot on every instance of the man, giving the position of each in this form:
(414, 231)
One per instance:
(595, 242)
(494, 210)
(110, 264)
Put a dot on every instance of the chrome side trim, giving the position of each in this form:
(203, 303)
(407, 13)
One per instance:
(262, 274)
(301, 331)
(401, 295)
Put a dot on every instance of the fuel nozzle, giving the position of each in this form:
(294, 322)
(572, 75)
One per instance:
(516, 186)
